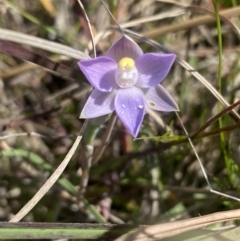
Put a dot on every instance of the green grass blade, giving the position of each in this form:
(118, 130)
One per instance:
(226, 155)
(63, 231)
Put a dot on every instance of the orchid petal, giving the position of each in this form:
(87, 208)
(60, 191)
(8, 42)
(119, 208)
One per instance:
(130, 107)
(124, 47)
(153, 68)
(98, 104)
(100, 72)
(157, 98)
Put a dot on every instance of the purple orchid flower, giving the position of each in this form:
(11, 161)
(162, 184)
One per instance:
(127, 81)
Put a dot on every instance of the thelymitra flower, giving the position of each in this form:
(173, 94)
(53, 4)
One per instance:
(127, 81)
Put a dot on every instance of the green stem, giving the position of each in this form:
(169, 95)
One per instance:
(219, 78)
(71, 231)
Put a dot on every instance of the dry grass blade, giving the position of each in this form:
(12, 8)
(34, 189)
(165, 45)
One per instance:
(229, 13)
(24, 54)
(165, 230)
(223, 18)
(36, 42)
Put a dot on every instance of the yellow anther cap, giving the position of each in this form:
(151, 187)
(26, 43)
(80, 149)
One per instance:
(126, 63)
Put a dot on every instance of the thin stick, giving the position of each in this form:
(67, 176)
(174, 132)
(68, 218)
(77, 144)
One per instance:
(89, 26)
(104, 4)
(51, 180)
